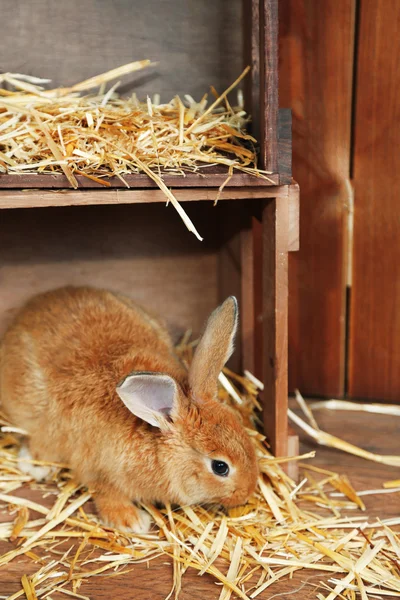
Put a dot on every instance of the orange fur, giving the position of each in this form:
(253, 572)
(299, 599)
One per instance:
(60, 364)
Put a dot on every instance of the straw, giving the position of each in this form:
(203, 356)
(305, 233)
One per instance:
(326, 439)
(248, 550)
(103, 135)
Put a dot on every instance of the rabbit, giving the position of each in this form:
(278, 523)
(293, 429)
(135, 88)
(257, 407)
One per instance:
(94, 380)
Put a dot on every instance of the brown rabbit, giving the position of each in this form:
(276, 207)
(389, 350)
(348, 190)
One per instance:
(95, 381)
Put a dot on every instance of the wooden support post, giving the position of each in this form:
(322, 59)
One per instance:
(275, 242)
(268, 32)
(265, 243)
(247, 298)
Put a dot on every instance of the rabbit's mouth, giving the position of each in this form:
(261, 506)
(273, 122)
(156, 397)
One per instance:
(237, 498)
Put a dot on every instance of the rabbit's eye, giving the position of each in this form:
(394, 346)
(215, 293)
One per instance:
(220, 468)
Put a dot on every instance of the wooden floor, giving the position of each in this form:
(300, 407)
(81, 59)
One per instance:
(153, 582)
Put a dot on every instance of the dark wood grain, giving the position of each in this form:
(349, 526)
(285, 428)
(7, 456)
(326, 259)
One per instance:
(251, 49)
(211, 177)
(374, 370)
(316, 70)
(268, 18)
(248, 291)
(154, 581)
(285, 146)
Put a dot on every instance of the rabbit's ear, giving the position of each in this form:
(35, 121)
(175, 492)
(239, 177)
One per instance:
(150, 396)
(214, 349)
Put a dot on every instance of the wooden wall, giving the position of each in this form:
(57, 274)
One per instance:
(340, 72)
(316, 67)
(140, 250)
(195, 43)
(374, 360)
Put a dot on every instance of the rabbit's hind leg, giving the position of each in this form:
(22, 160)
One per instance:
(27, 465)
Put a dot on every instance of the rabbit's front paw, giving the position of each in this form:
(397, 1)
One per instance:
(124, 516)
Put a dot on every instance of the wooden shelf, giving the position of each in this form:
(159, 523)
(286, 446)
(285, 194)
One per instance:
(211, 177)
(42, 198)
(145, 250)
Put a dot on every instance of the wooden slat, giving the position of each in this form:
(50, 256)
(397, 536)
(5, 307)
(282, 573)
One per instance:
(251, 266)
(42, 198)
(251, 48)
(285, 146)
(275, 228)
(294, 218)
(268, 16)
(248, 297)
(374, 370)
(316, 81)
(257, 231)
(211, 177)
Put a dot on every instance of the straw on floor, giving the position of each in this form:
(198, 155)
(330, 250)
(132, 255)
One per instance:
(284, 528)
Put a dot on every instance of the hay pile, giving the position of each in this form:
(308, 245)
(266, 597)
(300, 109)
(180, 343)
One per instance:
(102, 135)
(283, 529)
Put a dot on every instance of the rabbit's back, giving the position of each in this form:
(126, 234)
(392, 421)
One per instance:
(70, 347)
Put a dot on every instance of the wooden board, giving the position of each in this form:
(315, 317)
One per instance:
(374, 370)
(285, 146)
(275, 243)
(316, 81)
(268, 24)
(211, 178)
(260, 27)
(41, 198)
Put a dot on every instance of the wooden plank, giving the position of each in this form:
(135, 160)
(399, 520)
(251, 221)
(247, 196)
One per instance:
(211, 177)
(248, 324)
(42, 198)
(251, 261)
(316, 81)
(251, 50)
(285, 146)
(268, 15)
(257, 231)
(294, 218)
(374, 369)
(275, 228)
